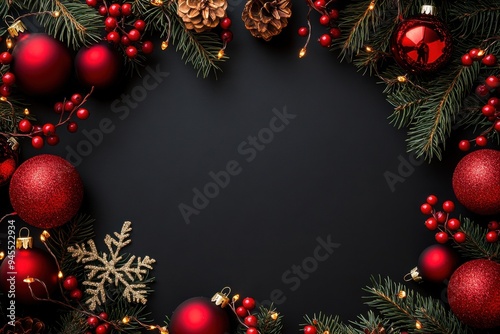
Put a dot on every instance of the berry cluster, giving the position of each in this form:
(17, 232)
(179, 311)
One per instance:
(122, 29)
(99, 324)
(40, 134)
(244, 312)
(8, 79)
(226, 35)
(328, 18)
(441, 221)
(70, 284)
(493, 231)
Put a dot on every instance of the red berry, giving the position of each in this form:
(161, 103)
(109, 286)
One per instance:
(303, 31)
(474, 54)
(309, 329)
(93, 321)
(225, 23)
(441, 237)
(492, 81)
(481, 141)
(110, 23)
(147, 47)
(241, 312)
(5, 58)
(134, 35)
(113, 37)
(82, 113)
(53, 140)
(9, 78)
(464, 145)
(131, 51)
(76, 98)
(334, 14)
(335, 32)
(432, 199)
(37, 142)
(37, 130)
(70, 283)
(5, 90)
(448, 206)
(493, 225)
(140, 25)
(426, 209)
(252, 330)
(488, 110)
(58, 107)
(492, 236)
(72, 127)
(103, 10)
(494, 101)
(324, 20)
(248, 303)
(24, 126)
(124, 40)
(227, 36)
(459, 237)
(453, 224)
(101, 329)
(497, 126)
(431, 224)
(251, 321)
(48, 129)
(126, 9)
(319, 4)
(325, 40)
(482, 90)
(69, 106)
(115, 10)
(440, 217)
(467, 60)
(91, 3)
(489, 60)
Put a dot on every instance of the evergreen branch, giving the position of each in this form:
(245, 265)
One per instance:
(77, 24)
(475, 245)
(327, 324)
(4, 8)
(483, 18)
(71, 322)
(371, 324)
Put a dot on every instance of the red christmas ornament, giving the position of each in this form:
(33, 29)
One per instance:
(41, 64)
(436, 263)
(198, 316)
(28, 262)
(46, 191)
(98, 65)
(473, 293)
(8, 160)
(422, 44)
(476, 181)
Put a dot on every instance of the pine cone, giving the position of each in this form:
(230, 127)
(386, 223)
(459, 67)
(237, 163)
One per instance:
(265, 19)
(201, 15)
(26, 325)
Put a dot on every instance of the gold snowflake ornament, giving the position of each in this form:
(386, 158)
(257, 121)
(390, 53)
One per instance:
(104, 269)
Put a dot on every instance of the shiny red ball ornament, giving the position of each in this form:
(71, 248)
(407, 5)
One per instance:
(198, 316)
(422, 44)
(28, 262)
(8, 161)
(41, 64)
(98, 66)
(476, 181)
(436, 263)
(473, 293)
(46, 191)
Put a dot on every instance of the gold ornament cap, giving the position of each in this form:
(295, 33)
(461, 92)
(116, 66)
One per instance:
(24, 242)
(15, 28)
(221, 298)
(413, 275)
(428, 10)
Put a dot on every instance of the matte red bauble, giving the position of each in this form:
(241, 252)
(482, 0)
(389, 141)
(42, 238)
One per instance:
(98, 65)
(436, 263)
(46, 191)
(473, 293)
(41, 64)
(476, 181)
(422, 44)
(28, 262)
(198, 316)
(8, 161)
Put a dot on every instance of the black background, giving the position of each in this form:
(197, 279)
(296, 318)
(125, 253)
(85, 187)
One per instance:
(323, 175)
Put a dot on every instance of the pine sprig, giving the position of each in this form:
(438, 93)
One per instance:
(71, 322)
(475, 245)
(372, 324)
(327, 324)
(483, 19)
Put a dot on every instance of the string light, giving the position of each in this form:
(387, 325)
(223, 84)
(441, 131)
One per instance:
(220, 54)
(402, 294)
(2, 255)
(29, 280)
(26, 111)
(401, 78)
(45, 234)
(56, 14)
(9, 43)
(368, 48)
(60, 274)
(3, 98)
(418, 325)
(164, 45)
(126, 320)
(274, 316)
(302, 52)
(157, 3)
(235, 298)
(372, 5)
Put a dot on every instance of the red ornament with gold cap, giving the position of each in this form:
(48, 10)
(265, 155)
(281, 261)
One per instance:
(8, 158)
(423, 43)
(436, 263)
(28, 271)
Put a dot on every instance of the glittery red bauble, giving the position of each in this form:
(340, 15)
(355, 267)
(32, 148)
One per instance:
(8, 161)
(422, 44)
(98, 65)
(476, 181)
(32, 262)
(436, 263)
(198, 316)
(46, 191)
(473, 293)
(41, 64)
